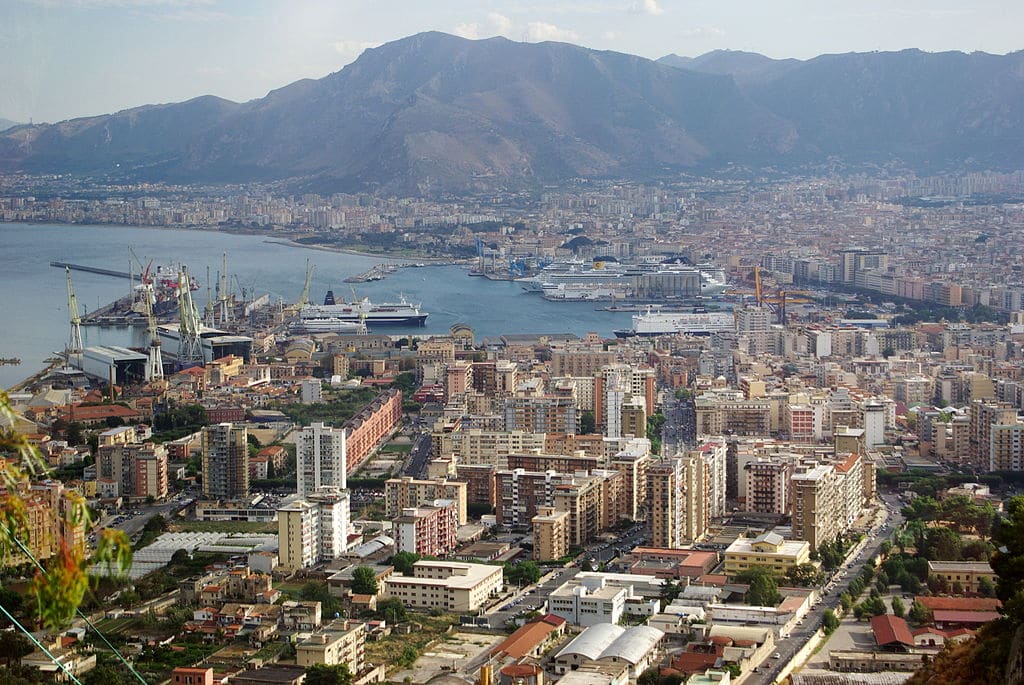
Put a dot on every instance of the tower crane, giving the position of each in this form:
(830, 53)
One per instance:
(75, 346)
(210, 309)
(155, 360)
(190, 345)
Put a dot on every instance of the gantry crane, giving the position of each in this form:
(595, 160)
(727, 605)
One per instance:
(155, 359)
(190, 345)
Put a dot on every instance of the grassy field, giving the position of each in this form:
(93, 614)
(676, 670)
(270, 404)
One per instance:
(395, 449)
(224, 527)
(392, 649)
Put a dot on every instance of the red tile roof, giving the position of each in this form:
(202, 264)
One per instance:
(959, 603)
(889, 629)
(973, 617)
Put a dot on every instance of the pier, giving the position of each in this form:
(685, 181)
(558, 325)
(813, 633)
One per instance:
(91, 269)
(375, 273)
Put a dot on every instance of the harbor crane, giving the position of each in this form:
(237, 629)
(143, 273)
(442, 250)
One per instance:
(155, 358)
(190, 345)
(223, 296)
(304, 297)
(75, 347)
(210, 310)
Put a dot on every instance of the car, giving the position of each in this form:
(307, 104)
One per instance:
(776, 655)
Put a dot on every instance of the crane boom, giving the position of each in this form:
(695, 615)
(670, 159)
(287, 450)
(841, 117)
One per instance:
(304, 297)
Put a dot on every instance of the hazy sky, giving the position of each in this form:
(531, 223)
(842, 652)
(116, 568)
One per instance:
(67, 58)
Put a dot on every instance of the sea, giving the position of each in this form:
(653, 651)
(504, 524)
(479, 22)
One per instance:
(33, 295)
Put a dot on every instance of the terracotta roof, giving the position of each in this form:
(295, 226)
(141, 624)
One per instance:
(100, 411)
(889, 629)
(976, 617)
(848, 463)
(959, 603)
(525, 639)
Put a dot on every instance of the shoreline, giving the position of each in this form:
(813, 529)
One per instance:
(275, 237)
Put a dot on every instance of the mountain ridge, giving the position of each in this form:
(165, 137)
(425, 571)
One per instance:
(437, 113)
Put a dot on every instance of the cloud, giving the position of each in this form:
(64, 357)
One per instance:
(538, 31)
(702, 32)
(647, 7)
(494, 25)
(352, 48)
(612, 35)
(101, 4)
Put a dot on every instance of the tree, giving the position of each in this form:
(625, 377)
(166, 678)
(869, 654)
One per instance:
(107, 674)
(391, 609)
(985, 587)
(919, 614)
(364, 581)
(319, 674)
(845, 601)
(523, 573)
(587, 423)
(804, 575)
(13, 646)
(941, 543)
(403, 562)
(830, 621)
(898, 608)
(872, 606)
(763, 590)
(670, 590)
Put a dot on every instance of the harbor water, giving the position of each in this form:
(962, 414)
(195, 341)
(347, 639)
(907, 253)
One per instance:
(33, 299)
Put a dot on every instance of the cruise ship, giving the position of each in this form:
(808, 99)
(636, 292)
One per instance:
(328, 324)
(702, 280)
(685, 323)
(399, 313)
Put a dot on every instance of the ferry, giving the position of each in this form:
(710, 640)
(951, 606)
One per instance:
(331, 324)
(399, 313)
(697, 322)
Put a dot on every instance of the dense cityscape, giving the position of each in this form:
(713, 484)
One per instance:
(793, 463)
(601, 343)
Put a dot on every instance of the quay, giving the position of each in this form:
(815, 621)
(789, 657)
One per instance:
(91, 269)
(375, 273)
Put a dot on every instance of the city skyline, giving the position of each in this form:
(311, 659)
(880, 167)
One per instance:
(73, 58)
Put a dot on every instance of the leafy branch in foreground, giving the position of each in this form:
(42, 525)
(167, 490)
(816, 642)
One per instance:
(60, 581)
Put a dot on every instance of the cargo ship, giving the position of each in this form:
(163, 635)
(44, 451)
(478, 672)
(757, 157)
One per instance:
(399, 313)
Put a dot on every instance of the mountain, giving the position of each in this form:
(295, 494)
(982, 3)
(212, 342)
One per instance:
(6, 124)
(928, 110)
(436, 113)
(428, 113)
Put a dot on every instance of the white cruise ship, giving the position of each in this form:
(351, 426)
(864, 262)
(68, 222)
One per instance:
(686, 323)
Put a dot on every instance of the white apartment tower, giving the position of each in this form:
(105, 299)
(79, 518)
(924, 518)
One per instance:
(321, 458)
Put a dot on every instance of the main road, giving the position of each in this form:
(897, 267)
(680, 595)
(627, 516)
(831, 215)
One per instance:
(787, 648)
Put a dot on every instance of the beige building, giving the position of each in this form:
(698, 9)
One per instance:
(966, 573)
(829, 496)
(550, 534)
(477, 446)
(342, 642)
(407, 492)
(446, 585)
(1006, 447)
(770, 550)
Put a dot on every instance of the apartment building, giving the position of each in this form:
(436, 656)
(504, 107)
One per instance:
(1006, 447)
(225, 461)
(446, 585)
(767, 485)
(588, 603)
(321, 458)
(342, 642)
(666, 492)
(480, 482)
(984, 415)
(476, 446)
(47, 523)
(550, 534)
(828, 497)
(313, 529)
(563, 463)
(542, 414)
(429, 529)
(407, 492)
(365, 431)
(137, 470)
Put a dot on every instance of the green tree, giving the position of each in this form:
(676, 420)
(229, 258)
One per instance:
(919, 614)
(898, 608)
(364, 581)
(872, 606)
(804, 575)
(670, 590)
(403, 562)
(107, 674)
(762, 590)
(845, 601)
(319, 674)
(588, 425)
(13, 646)
(985, 587)
(941, 543)
(523, 573)
(830, 621)
(406, 382)
(391, 610)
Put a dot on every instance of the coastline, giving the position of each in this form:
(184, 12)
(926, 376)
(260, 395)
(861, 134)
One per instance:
(433, 261)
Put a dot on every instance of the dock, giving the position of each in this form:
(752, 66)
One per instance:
(91, 269)
(375, 273)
